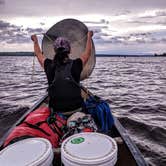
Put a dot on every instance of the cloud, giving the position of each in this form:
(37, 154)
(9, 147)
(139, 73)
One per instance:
(10, 37)
(78, 7)
(97, 28)
(161, 13)
(130, 39)
(42, 23)
(142, 38)
(10, 33)
(124, 23)
(18, 39)
(140, 34)
(101, 21)
(151, 19)
(34, 30)
(153, 14)
(138, 22)
(2, 2)
(163, 40)
(162, 22)
(151, 22)
(4, 25)
(125, 12)
(110, 40)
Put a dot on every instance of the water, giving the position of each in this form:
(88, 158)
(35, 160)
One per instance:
(135, 87)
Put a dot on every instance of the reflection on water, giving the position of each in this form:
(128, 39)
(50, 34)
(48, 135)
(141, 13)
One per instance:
(135, 87)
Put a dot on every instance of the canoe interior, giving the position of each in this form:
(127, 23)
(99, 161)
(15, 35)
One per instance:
(128, 153)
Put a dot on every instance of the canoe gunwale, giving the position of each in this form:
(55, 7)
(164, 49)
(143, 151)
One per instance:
(137, 155)
(36, 105)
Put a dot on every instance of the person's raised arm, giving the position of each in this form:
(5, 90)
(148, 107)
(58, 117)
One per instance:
(88, 49)
(38, 51)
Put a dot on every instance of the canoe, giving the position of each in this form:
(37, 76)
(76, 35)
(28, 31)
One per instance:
(128, 153)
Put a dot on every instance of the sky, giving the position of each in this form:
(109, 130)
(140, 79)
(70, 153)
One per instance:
(120, 26)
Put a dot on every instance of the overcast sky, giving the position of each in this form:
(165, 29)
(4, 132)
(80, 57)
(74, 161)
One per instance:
(120, 26)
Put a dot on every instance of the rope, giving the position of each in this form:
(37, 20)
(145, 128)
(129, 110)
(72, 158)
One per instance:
(33, 68)
(48, 37)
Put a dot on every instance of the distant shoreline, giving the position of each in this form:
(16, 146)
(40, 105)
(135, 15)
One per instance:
(97, 55)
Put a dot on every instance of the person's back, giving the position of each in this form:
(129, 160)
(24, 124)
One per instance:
(66, 95)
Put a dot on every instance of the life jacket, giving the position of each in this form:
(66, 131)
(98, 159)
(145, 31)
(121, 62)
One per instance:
(36, 125)
(63, 92)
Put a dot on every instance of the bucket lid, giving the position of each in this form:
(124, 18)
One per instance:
(76, 32)
(89, 148)
(31, 151)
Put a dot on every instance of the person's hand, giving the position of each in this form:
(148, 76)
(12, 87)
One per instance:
(90, 33)
(34, 38)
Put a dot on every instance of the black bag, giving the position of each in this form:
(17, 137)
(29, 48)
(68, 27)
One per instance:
(61, 80)
(63, 88)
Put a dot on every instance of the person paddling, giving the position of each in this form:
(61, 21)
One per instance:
(63, 74)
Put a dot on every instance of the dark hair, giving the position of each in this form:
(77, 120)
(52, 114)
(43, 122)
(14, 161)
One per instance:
(60, 56)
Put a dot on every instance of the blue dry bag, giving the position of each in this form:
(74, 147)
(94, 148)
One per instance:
(100, 111)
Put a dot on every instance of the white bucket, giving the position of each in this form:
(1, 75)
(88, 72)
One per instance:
(86, 149)
(28, 152)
